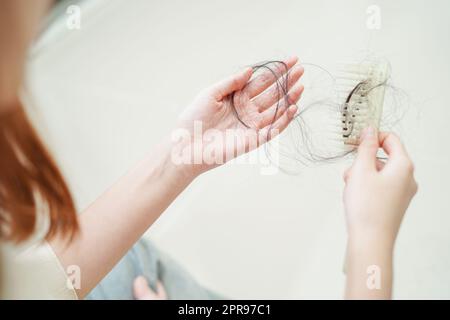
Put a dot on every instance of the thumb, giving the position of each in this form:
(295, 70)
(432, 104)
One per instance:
(367, 150)
(142, 291)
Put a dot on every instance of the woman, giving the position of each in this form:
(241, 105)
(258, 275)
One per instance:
(33, 194)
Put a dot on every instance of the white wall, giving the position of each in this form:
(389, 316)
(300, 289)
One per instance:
(111, 90)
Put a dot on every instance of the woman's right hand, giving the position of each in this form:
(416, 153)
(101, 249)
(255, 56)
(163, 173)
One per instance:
(378, 193)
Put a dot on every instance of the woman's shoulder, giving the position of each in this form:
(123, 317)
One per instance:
(32, 271)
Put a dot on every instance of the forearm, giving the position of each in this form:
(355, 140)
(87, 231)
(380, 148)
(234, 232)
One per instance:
(369, 268)
(113, 223)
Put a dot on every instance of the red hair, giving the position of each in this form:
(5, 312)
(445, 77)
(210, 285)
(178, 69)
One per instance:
(28, 174)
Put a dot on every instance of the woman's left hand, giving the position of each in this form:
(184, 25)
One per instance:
(210, 131)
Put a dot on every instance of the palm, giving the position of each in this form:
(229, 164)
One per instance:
(240, 107)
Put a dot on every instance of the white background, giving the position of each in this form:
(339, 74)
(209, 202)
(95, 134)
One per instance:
(109, 92)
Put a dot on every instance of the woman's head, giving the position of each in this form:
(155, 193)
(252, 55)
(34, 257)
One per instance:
(29, 178)
(19, 23)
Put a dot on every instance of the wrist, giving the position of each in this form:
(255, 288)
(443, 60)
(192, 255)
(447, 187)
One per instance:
(175, 162)
(187, 152)
(372, 230)
(370, 241)
(369, 267)
(159, 164)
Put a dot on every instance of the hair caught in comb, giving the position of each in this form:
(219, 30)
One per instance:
(364, 104)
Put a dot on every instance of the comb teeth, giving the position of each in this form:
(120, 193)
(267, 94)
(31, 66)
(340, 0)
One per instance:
(363, 88)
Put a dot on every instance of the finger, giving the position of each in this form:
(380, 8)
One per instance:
(380, 165)
(161, 291)
(231, 84)
(276, 111)
(142, 291)
(277, 91)
(273, 130)
(398, 156)
(268, 77)
(392, 145)
(367, 150)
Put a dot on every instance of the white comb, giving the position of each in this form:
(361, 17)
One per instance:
(335, 111)
(362, 88)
